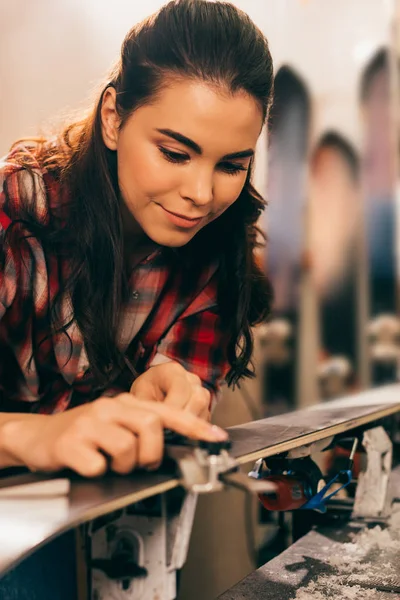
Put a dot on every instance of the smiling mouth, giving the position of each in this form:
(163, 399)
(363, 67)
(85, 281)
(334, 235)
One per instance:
(181, 221)
(193, 219)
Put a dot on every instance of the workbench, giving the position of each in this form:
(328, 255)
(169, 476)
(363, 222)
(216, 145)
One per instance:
(312, 567)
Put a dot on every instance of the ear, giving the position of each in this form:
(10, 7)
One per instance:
(110, 120)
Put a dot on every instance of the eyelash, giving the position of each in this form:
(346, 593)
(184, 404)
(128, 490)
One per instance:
(178, 158)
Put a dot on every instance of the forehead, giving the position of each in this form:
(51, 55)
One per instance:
(220, 122)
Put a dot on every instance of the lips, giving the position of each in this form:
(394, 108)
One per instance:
(181, 221)
(183, 216)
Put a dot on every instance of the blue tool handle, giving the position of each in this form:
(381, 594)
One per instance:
(318, 501)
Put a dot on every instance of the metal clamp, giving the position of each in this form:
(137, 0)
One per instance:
(207, 467)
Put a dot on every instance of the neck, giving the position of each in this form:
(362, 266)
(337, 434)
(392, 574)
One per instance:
(137, 245)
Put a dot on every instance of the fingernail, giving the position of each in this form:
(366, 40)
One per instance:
(218, 433)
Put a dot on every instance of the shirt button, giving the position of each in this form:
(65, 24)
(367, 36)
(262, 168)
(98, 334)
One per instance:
(135, 294)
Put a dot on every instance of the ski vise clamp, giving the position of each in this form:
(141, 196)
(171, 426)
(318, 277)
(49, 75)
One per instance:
(206, 467)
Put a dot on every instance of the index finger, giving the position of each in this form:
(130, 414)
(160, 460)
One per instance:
(178, 420)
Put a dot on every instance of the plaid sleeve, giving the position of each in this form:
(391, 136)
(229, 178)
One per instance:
(197, 342)
(8, 276)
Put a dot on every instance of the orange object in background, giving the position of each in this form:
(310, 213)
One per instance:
(338, 455)
(290, 493)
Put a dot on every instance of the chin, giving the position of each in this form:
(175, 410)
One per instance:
(171, 239)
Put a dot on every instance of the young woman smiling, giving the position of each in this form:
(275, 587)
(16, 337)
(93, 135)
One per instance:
(128, 284)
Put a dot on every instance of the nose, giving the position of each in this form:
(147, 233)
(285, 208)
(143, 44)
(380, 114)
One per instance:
(198, 186)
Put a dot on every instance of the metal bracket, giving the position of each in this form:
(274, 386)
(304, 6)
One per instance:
(155, 537)
(373, 495)
(200, 469)
(204, 471)
(135, 553)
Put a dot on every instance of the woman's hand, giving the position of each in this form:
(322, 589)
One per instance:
(171, 384)
(128, 430)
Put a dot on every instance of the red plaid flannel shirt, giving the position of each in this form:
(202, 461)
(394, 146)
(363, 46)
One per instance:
(172, 326)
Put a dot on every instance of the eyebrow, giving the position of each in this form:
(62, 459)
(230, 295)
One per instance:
(179, 137)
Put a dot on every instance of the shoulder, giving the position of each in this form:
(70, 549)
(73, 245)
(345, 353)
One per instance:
(26, 186)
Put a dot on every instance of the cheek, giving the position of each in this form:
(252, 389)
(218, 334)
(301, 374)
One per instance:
(227, 190)
(142, 172)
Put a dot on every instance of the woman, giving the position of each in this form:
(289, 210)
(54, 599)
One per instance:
(128, 244)
(128, 281)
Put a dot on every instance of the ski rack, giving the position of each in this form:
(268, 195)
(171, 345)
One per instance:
(153, 536)
(149, 537)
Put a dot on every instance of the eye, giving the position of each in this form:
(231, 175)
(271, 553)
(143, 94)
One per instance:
(231, 168)
(174, 157)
